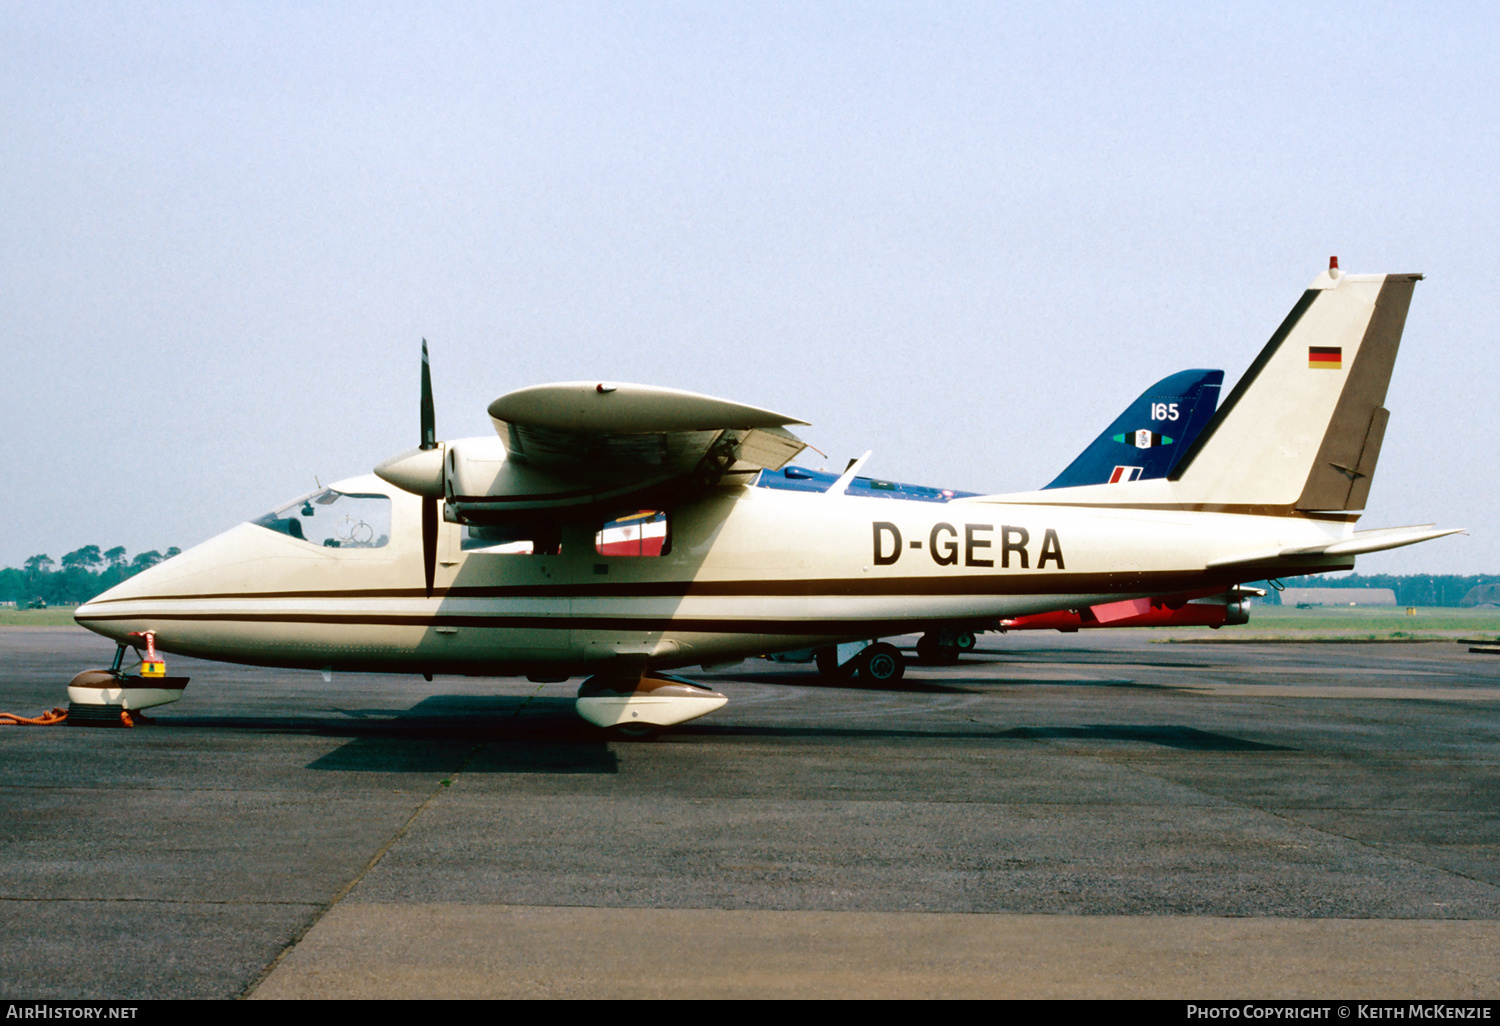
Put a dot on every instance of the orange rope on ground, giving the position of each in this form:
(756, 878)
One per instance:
(48, 719)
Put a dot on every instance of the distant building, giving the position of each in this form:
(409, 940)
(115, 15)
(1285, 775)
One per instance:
(1482, 595)
(1338, 597)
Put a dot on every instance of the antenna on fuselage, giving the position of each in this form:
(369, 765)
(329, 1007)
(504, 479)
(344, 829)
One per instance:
(841, 486)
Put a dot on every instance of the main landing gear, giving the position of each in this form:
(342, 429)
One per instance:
(944, 646)
(879, 663)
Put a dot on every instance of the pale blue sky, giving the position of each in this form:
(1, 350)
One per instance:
(964, 236)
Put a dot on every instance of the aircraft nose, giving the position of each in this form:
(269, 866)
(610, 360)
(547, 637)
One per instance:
(179, 596)
(86, 615)
(111, 613)
(136, 603)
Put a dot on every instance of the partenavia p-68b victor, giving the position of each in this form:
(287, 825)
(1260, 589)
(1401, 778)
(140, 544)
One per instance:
(502, 556)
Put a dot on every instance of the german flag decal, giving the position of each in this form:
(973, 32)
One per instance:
(1325, 357)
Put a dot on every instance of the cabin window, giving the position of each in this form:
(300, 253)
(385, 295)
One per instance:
(643, 533)
(513, 539)
(334, 520)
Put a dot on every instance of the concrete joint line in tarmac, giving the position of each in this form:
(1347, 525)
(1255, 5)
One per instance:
(343, 892)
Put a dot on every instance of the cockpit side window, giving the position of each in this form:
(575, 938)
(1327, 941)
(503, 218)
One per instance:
(334, 520)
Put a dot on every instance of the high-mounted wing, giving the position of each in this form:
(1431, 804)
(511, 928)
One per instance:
(584, 428)
(570, 449)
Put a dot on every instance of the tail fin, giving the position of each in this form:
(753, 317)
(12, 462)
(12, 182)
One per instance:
(1302, 429)
(1151, 436)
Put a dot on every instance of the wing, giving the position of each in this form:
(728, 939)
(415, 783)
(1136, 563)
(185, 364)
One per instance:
(583, 427)
(577, 446)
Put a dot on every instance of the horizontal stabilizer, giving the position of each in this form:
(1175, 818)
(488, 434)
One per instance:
(1376, 541)
(1362, 542)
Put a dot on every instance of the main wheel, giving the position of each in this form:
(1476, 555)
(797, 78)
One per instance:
(827, 660)
(927, 648)
(932, 650)
(882, 664)
(964, 642)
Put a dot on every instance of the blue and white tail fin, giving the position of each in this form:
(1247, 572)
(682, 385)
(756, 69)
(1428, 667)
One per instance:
(1149, 438)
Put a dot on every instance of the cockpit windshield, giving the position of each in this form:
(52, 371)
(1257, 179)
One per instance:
(335, 520)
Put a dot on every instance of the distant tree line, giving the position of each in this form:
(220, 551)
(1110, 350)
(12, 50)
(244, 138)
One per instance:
(83, 573)
(1410, 589)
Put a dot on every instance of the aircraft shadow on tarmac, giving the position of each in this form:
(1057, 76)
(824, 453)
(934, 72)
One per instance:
(910, 685)
(444, 734)
(448, 734)
(919, 685)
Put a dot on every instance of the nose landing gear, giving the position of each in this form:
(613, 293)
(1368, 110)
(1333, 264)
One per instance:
(114, 698)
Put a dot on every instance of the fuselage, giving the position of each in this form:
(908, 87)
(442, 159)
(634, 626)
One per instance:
(745, 571)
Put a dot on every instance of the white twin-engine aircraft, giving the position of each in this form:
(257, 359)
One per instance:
(515, 555)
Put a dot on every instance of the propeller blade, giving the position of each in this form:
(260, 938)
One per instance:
(429, 442)
(429, 541)
(429, 418)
